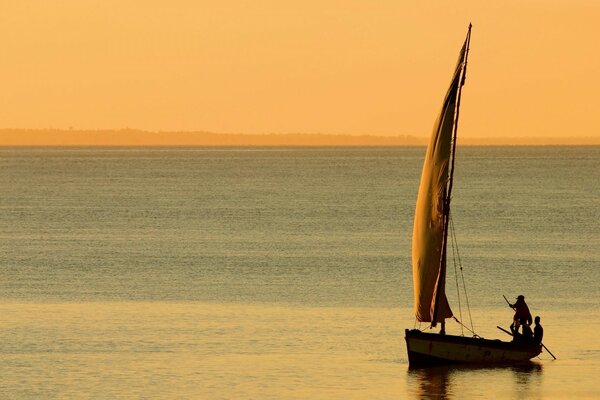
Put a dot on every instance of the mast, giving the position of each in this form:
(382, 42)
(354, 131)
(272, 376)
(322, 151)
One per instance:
(448, 190)
(462, 82)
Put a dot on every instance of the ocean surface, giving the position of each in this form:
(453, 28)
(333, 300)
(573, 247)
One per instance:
(215, 273)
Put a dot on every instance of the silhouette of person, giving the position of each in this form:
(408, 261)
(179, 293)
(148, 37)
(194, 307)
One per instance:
(526, 336)
(515, 333)
(521, 313)
(527, 333)
(538, 331)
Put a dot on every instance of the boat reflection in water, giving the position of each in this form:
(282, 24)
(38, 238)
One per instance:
(448, 382)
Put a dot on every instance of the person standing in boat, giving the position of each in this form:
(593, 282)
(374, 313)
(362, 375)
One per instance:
(521, 313)
(538, 331)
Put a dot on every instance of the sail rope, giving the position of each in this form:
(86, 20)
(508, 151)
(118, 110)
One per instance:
(453, 242)
(464, 326)
(415, 325)
(455, 245)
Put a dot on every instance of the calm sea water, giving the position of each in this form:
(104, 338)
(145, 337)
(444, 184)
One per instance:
(283, 273)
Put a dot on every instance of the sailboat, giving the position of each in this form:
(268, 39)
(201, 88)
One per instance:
(429, 251)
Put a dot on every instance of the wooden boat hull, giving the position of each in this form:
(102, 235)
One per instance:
(430, 349)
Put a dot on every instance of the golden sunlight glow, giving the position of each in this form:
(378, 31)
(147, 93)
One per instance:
(327, 66)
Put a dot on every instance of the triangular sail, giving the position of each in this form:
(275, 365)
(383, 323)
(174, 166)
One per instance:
(432, 210)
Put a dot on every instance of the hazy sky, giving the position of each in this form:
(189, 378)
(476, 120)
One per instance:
(261, 66)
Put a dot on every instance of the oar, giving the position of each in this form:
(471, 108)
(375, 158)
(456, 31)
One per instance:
(549, 352)
(507, 301)
(543, 345)
(504, 330)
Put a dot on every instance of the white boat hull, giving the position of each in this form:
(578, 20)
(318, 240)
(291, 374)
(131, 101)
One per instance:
(429, 349)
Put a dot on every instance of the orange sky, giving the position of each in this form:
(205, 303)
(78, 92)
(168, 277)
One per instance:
(262, 66)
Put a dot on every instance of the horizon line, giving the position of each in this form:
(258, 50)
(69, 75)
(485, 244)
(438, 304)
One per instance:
(128, 137)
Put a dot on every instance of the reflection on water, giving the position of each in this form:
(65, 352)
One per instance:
(527, 379)
(432, 382)
(448, 382)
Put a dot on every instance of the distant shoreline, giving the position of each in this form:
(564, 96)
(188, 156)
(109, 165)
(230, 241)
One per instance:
(139, 138)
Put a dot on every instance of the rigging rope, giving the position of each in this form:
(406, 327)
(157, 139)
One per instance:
(415, 326)
(453, 236)
(453, 242)
(463, 325)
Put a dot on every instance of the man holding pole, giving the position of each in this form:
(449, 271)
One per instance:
(521, 313)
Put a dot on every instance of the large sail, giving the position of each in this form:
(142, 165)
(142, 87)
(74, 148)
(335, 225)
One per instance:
(429, 236)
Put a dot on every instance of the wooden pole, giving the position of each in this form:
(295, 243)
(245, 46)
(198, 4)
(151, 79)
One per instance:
(504, 330)
(549, 352)
(448, 189)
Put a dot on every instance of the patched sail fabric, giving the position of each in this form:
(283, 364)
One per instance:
(429, 277)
